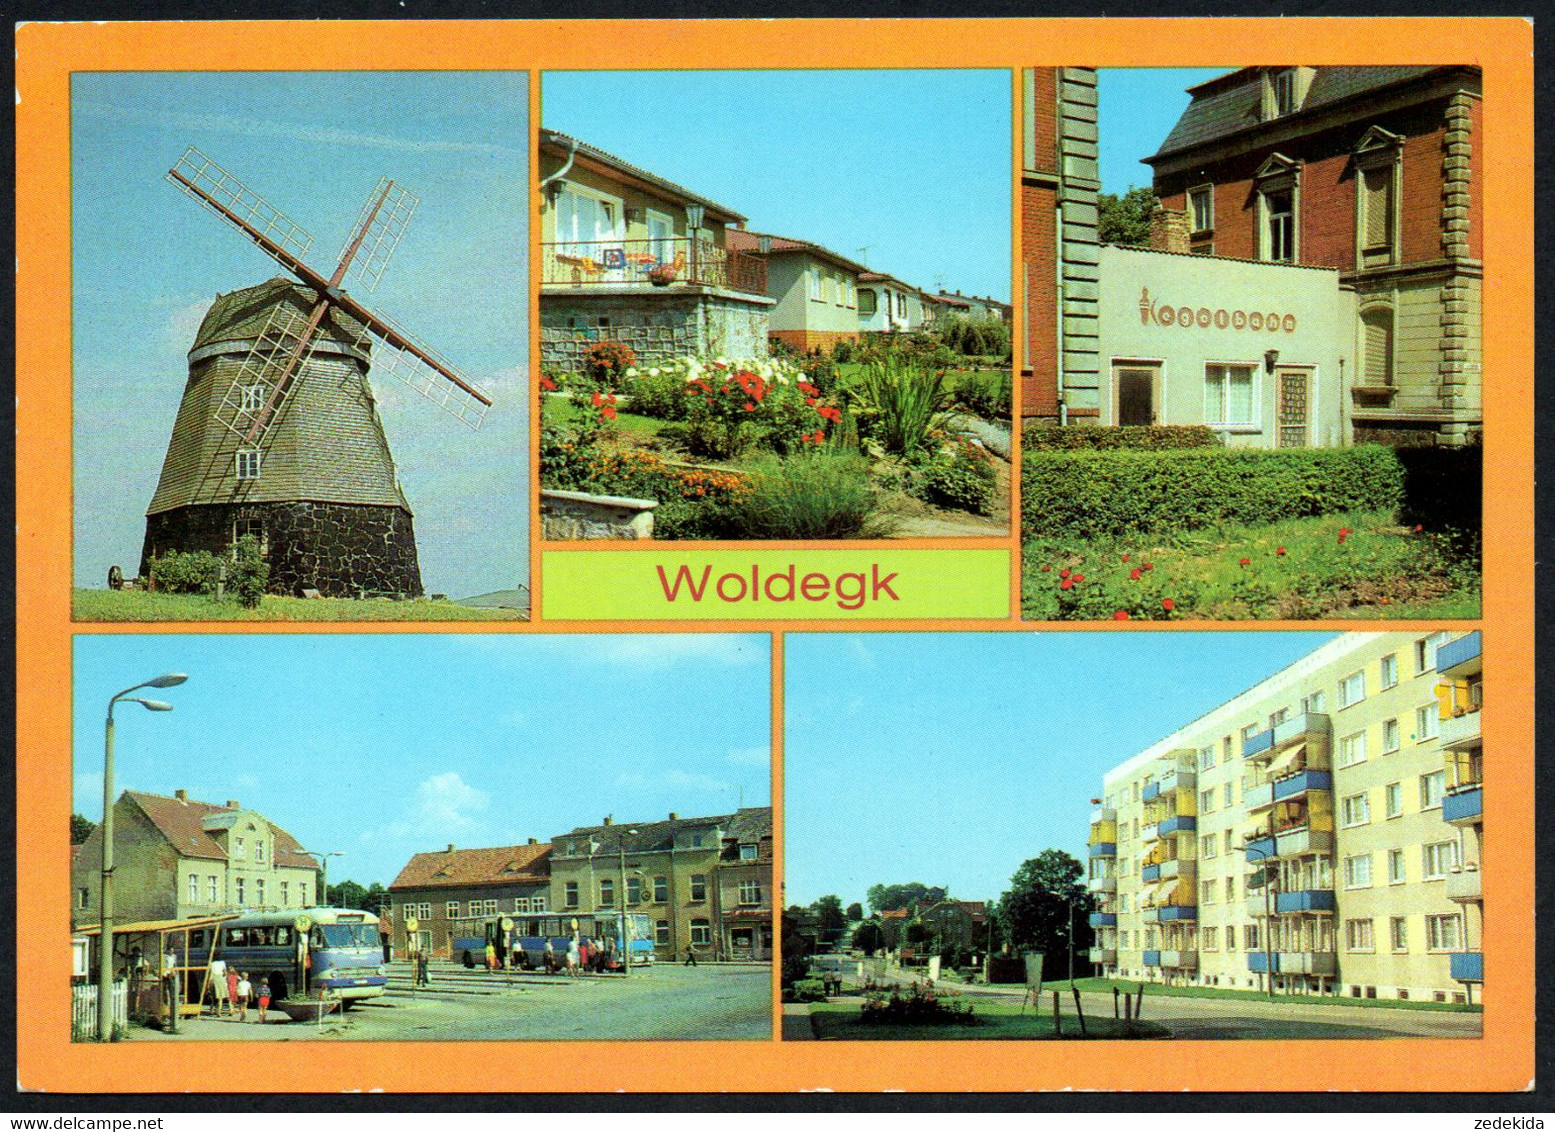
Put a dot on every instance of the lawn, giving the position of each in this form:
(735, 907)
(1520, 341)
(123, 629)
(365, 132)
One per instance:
(997, 1021)
(1294, 569)
(1106, 986)
(138, 605)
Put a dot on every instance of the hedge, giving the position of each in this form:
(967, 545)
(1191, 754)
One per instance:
(1102, 494)
(1092, 437)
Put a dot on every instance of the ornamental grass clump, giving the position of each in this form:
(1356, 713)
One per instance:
(900, 405)
(818, 494)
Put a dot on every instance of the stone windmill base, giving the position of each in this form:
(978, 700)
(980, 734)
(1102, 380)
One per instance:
(337, 549)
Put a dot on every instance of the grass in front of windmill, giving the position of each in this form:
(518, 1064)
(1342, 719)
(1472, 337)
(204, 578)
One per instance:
(138, 605)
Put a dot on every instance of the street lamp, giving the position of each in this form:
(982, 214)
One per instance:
(626, 921)
(323, 871)
(105, 930)
(1265, 855)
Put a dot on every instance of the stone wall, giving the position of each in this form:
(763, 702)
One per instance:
(658, 325)
(339, 549)
(570, 515)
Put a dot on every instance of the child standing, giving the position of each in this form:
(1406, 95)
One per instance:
(245, 989)
(264, 997)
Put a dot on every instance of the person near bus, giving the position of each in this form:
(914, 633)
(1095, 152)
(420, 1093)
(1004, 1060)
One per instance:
(491, 958)
(264, 997)
(245, 991)
(233, 981)
(572, 956)
(219, 986)
(550, 957)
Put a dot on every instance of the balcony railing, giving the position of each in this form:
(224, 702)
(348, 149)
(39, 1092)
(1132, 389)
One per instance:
(1103, 884)
(674, 260)
(1465, 886)
(1181, 824)
(1467, 966)
(1309, 725)
(1459, 731)
(1104, 955)
(1152, 959)
(1295, 962)
(1103, 919)
(1182, 960)
(1460, 657)
(1464, 807)
(1104, 849)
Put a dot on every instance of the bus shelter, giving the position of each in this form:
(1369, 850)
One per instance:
(148, 956)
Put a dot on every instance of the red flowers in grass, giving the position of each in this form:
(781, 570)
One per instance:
(1168, 604)
(1147, 565)
(1280, 551)
(605, 405)
(1078, 578)
(1065, 572)
(1066, 584)
(831, 413)
(1245, 562)
(808, 390)
(1135, 574)
(1047, 569)
(549, 386)
(1125, 557)
(750, 406)
(1120, 615)
(1419, 527)
(1344, 533)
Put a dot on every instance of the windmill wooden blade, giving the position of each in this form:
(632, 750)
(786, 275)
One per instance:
(246, 210)
(267, 375)
(425, 371)
(377, 232)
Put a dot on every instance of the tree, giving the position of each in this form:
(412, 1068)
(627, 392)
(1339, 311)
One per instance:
(796, 947)
(376, 900)
(1035, 913)
(868, 937)
(890, 897)
(855, 912)
(80, 829)
(348, 894)
(829, 919)
(1126, 219)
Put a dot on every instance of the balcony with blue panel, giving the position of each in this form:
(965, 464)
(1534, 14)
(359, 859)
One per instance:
(1150, 873)
(1467, 966)
(1464, 807)
(1152, 959)
(1255, 745)
(1298, 729)
(1301, 783)
(1103, 919)
(1294, 962)
(1260, 848)
(1151, 792)
(1307, 900)
(1181, 824)
(1168, 912)
(1460, 657)
(1104, 849)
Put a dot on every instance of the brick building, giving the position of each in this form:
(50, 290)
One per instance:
(815, 290)
(1373, 171)
(1059, 185)
(175, 858)
(631, 257)
(439, 888)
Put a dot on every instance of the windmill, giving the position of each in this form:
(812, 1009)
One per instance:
(278, 433)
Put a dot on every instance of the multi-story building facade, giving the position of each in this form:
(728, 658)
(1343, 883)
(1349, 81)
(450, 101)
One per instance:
(631, 257)
(440, 888)
(177, 858)
(668, 869)
(814, 290)
(1322, 828)
(1059, 246)
(744, 880)
(1373, 171)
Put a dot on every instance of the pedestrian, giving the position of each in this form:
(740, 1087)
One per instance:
(264, 997)
(572, 956)
(491, 957)
(550, 957)
(233, 980)
(245, 989)
(584, 954)
(515, 957)
(421, 969)
(691, 956)
(218, 979)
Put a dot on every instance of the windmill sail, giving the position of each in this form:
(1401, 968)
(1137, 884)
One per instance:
(377, 231)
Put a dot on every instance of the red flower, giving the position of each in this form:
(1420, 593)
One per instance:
(608, 412)
(1245, 562)
(1341, 538)
(749, 408)
(1066, 584)
(598, 400)
(1345, 530)
(1147, 565)
(550, 387)
(810, 401)
(1079, 577)
(1120, 615)
(1280, 550)
(1065, 572)
(725, 388)
(1419, 527)
(1135, 574)
(1047, 569)
(820, 436)
(1168, 604)
(1125, 558)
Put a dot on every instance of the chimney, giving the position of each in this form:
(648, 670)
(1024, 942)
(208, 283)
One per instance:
(674, 816)
(1169, 230)
(450, 846)
(609, 820)
(533, 841)
(182, 796)
(234, 804)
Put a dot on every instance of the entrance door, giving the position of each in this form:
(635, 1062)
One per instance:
(1135, 386)
(1294, 408)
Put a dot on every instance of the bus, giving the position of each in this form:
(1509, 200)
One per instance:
(469, 935)
(300, 952)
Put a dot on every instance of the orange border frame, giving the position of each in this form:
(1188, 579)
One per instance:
(46, 56)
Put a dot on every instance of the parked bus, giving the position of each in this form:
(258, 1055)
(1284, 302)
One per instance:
(299, 951)
(469, 935)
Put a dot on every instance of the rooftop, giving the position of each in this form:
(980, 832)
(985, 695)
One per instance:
(453, 867)
(565, 143)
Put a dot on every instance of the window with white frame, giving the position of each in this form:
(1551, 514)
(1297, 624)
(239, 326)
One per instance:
(1431, 786)
(1206, 892)
(1315, 702)
(661, 933)
(1427, 721)
(1389, 670)
(1398, 933)
(1355, 809)
(1397, 867)
(634, 890)
(1209, 939)
(194, 888)
(253, 399)
(1390, 736)
(1444, 933)
(698, 887)
(1352, 749)
(286, 894)
(1228, 793)
(1207, 801)
(1357, 871)
(1284, 93)
(242, 893)
(607, 891)
(1357, 935)
(1201, 207)
(1393, 799)
(451, 909)
(1352, 689)
(1438, 859)
(661, 890)
(537, 903)
(1228, 841)
(239, 849)
(259, 851)
(585, 219)
(1230, 889)
(1279, 220)
(750, 892)
(1207, 757)
(212, 889)
(749, 852)
(1228, 395)
(259, 892)
(1207, 845)
(570, 894)
(817, 285)
(1425, 652)
(248, 463)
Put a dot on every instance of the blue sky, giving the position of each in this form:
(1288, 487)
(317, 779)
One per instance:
(913, 165)
(1136, 108)
(148, 260)
(950, 758)
(475, 739)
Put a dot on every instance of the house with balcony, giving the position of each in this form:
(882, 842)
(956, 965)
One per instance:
(1312, 835)
(814, 290)
(629, 256)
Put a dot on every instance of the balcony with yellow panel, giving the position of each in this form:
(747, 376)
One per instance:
(1104, 833)
(1169, 900)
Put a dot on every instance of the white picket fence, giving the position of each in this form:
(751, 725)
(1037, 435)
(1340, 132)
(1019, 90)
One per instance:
(83, 1010)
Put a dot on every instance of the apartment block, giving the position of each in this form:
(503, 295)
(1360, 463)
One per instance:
(1322, 830)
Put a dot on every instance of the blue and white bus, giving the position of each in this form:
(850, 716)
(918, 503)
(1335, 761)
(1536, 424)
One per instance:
(527, 935)
(299, 952)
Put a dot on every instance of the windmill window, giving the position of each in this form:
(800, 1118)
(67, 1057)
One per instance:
(253, 398)
(248, 462)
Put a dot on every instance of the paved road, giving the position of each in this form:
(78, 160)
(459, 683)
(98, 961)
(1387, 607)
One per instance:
(1228, 1019)
(709, 1002)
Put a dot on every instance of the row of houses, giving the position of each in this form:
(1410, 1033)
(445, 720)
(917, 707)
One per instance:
(1322, 832)
(1314, 268)
(705, 883)
(629, 256)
